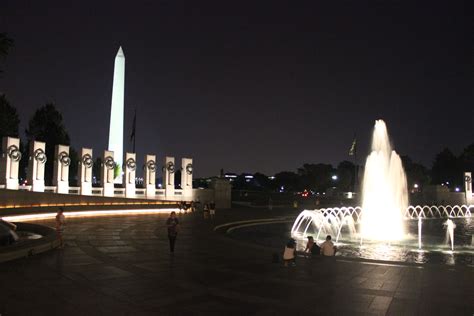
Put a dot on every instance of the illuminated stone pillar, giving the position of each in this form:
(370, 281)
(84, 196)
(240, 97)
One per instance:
(107, 173)
(85, 171)
(10, 162)
(168, 177)
(36, 166)
(117, 110)
(468, 187)
(149, 170)
(130, 172)
(62, 161)
(187, 178)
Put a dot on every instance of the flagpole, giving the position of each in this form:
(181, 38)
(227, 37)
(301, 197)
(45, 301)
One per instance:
(134, 130)
(355, 170)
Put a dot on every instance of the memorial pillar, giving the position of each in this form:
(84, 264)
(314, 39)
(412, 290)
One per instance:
(62, 161)
(187, 178)
(107, 173)
(36, 166)
(10, 162)
(85, 171)
(468, 187)
(168, 177)
(149, 170)
(130, 173)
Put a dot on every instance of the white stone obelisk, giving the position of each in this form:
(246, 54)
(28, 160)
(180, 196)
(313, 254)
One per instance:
(117, 112)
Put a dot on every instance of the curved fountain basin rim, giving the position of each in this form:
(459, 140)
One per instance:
(279, 220)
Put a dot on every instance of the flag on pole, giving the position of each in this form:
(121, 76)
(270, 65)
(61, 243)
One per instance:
(352, 150)
(132, 135)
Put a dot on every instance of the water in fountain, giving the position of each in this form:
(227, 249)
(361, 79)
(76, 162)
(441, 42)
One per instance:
(450, 226)
(384, 195)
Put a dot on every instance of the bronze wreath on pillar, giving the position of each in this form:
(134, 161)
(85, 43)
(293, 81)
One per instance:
(151, 165)
(170, 167)
(131, 164)
(64, 158)
(14, 153)
(87, 161)
(109, 163)
(40, 156)
(189, 168)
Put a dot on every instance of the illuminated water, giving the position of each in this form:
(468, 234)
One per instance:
(384, 190)
(435, 247)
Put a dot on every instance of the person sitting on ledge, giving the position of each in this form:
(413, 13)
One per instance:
(289, 255)
(327, 248)
(7, 233)
(311, 247)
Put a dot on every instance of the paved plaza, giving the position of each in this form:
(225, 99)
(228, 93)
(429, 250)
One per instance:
(122, 266)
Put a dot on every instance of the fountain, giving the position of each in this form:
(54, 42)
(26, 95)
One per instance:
(384, 227)
(384, 193)
(450, 226)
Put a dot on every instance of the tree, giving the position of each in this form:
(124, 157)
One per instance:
(288, 180)
(345, 175)
(416, 173)
(5, 44)
(316, 177)
(9, 121)
(467, 158)
(47, 126)
(261, 181)
(446, 168)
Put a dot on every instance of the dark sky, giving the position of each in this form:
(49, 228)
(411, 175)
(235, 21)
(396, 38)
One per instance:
(249, 86)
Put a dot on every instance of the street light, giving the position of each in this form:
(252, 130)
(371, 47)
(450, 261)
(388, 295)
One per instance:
(334, 177)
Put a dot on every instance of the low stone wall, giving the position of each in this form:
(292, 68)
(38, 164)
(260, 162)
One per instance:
(14, 202)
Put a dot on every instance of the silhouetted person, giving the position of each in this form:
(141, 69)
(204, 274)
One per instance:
(327, 248)
(289, 254)
(173, 226)
(60, 223)
(212, 209)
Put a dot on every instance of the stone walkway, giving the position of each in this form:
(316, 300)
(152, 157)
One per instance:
(121, 266)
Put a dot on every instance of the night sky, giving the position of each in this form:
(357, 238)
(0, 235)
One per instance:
(249, 86)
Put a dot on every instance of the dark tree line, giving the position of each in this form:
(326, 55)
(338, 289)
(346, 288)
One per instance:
(447, 169)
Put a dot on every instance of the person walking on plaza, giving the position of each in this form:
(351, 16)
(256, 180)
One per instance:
(172, 223)
(206, 211)
(60, 224)
(212, 209)
(327, 248)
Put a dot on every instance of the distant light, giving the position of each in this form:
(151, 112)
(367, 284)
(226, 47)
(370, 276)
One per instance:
(334, 177)
(282, 188)
(230, 176)
(447, 182)
(415, 186)
(249, 177)
(160, 185)
(457, 189)
(349, 195)
(271, 177)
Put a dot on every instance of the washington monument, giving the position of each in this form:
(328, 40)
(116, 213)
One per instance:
(116, 112)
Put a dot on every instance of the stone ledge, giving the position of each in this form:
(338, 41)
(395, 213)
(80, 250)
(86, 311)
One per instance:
(30, 247)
